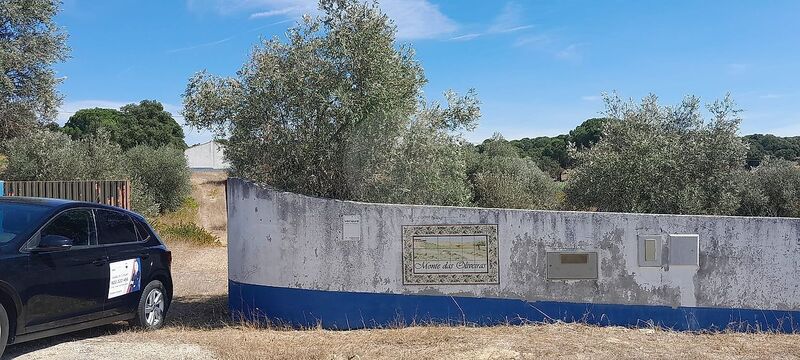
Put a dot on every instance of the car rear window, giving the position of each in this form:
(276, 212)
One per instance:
(16, 219)
(115, 228)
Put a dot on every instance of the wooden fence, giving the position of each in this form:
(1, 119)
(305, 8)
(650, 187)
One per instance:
(109, 192)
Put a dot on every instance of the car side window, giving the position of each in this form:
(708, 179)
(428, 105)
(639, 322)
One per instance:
(115, 228)
(144, 235)
(76, 225)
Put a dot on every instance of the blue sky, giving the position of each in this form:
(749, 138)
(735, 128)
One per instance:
(538, 66)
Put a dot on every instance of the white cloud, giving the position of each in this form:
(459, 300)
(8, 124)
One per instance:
(569, 53)
(418, 19)
(198, 46)
(533, 40)
(465, 37)
(276, 12)
(509, 20)
(415, 19)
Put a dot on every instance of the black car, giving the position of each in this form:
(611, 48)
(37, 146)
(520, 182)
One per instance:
(67, 266)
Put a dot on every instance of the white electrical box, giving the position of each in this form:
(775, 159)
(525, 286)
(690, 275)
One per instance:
(684, 249)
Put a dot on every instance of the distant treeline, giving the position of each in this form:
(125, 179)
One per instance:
(761, 146)
(552, 154)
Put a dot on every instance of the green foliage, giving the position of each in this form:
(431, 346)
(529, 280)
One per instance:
(761, 146)
(335, 111)
(159, 177)
(163, 172)
(657, 159)
(427, 167)
(771, 189)
(47, 155)
(3, 165)
(87, 122)
(30, 43)
(588, 133)
(186, 232)
(501, 179)
(145, 123)
(551, 154)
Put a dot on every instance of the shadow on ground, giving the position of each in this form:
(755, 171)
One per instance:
(186, 312)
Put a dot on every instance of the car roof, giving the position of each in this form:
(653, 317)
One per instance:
(60, 203)
(48, 202)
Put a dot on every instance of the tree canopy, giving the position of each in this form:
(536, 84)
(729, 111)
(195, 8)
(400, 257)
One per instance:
(30, 43)
(355, 124)
(145, 123)
(662, 159)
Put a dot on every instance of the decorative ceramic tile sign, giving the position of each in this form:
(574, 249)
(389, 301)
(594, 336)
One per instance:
(450, 254)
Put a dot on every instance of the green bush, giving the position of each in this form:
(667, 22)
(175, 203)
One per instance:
(186, 232)
(502, 179)
(162, 172)
(771, 189)
(662, 159)
(159, 177)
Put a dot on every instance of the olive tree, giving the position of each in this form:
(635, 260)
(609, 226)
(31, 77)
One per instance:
(662, 159)
(502, 179)
(335, 110)
(771, 189)
(30, 43)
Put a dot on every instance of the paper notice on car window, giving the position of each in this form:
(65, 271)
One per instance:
(126, 277)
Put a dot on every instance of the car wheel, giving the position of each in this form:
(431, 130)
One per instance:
(152, 308)
(3, 329)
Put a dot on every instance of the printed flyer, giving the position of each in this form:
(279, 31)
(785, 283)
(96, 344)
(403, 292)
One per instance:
(126, 277)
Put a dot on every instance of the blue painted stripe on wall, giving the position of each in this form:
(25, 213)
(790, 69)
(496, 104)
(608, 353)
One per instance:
(2, 188)
(353, 310)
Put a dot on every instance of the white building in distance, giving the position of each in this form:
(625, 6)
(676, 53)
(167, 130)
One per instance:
(206, 156)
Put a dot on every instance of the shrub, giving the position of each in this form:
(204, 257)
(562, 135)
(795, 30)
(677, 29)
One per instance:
(42, 155)
(159, 177)
(661, 159)
(502, 179)
(186, 232)
(771, 189)
(162, 172)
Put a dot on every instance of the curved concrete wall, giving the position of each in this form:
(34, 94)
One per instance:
(291, 259)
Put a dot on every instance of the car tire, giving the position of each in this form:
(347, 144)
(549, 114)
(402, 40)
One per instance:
(4, 329)
(152, 309)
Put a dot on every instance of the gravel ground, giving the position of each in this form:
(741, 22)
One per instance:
(98, 349)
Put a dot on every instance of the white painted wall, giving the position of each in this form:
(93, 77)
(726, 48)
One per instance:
(289, 240)
(206, 156)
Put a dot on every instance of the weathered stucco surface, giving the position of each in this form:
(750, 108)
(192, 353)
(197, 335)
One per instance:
(289, 240)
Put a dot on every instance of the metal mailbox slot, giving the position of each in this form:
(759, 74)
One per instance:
(569, 265)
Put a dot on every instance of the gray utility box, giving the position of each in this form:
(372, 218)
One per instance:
(650, 250)
(684, 249)
(571, 265)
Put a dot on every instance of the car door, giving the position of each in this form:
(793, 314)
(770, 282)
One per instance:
(66, 286)
(128, 260)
